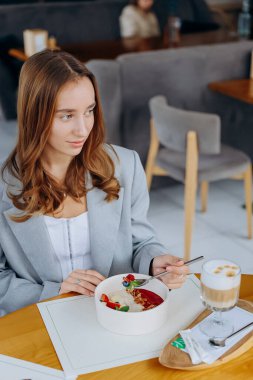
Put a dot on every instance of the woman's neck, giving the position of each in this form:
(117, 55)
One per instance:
(57, 168)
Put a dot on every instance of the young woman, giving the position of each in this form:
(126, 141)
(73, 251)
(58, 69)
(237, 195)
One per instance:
(72, 209)
(137, 20)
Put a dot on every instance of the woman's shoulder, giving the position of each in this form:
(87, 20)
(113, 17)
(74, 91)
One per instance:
(129, 10)
(8, 180)
(126, 161)
(5, 174)
(119, 154)
(2, 182)
(2, 162)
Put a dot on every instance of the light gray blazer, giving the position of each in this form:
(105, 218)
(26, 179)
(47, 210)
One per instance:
(121, 239)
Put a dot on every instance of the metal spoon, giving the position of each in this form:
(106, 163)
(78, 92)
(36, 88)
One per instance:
(220, 342)
(143, 281)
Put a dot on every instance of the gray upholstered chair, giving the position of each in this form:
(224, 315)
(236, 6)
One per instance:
(186, 146)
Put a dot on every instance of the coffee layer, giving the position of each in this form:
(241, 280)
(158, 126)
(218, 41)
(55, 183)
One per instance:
(220, 298)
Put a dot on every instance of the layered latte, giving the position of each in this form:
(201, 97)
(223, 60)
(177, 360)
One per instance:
(220, 284)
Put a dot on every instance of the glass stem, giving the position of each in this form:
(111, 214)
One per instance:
(218, 317)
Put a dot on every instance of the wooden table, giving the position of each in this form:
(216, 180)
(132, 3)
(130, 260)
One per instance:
(112, 49)
(240, 89)
(24, 336)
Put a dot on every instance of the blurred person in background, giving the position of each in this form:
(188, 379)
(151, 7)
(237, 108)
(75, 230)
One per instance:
(138, 20)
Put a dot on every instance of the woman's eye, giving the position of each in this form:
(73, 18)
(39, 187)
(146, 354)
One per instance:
(66, 117)
(89, 112)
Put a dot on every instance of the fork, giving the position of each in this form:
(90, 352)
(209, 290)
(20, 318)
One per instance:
(142, 281)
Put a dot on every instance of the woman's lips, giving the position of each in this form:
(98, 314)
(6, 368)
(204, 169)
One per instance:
(76, 144)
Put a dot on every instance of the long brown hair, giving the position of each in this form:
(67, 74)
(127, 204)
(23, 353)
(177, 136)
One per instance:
(41, 78)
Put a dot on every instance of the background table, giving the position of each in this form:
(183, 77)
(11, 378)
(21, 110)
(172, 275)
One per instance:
(240, 89)
(24, 336)
(112, 49)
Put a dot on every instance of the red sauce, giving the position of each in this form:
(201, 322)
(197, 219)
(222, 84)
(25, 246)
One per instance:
(146, 298)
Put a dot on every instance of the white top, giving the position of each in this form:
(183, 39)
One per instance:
(135, 23)
(71, 241)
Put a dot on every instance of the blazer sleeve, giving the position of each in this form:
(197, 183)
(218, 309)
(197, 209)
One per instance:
(145, 243)
(17, 292)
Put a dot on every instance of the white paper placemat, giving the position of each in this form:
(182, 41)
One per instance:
(84, 346)
(16, 369)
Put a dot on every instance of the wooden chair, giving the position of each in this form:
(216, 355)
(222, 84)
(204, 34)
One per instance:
(186, 146)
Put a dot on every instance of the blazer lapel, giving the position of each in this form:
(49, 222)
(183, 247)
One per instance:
(104, 219)
(34, 239)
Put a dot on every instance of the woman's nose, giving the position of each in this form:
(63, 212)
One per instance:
(80, 126)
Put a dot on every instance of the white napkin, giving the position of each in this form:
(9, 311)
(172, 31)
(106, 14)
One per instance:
(197, 343)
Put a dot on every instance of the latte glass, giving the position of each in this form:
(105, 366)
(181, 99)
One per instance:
(220, 285)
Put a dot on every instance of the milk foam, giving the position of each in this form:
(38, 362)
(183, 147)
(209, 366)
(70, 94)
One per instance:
(215, 274)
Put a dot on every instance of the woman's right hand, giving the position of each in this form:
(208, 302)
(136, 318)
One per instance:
(81, 281)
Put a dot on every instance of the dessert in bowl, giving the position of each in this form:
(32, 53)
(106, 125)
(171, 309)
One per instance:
(129, 310)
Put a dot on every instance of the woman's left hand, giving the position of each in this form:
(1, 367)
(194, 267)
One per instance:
(175, 267)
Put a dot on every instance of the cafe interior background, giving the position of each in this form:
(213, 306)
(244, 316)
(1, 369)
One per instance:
(213, 44)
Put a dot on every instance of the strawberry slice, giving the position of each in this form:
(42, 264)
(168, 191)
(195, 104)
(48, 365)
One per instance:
(104, 298)
(113, 305)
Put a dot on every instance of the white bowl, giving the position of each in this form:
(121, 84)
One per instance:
(133, 323)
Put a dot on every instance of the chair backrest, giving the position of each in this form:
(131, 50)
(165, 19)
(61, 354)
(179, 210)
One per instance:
(172, 125)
